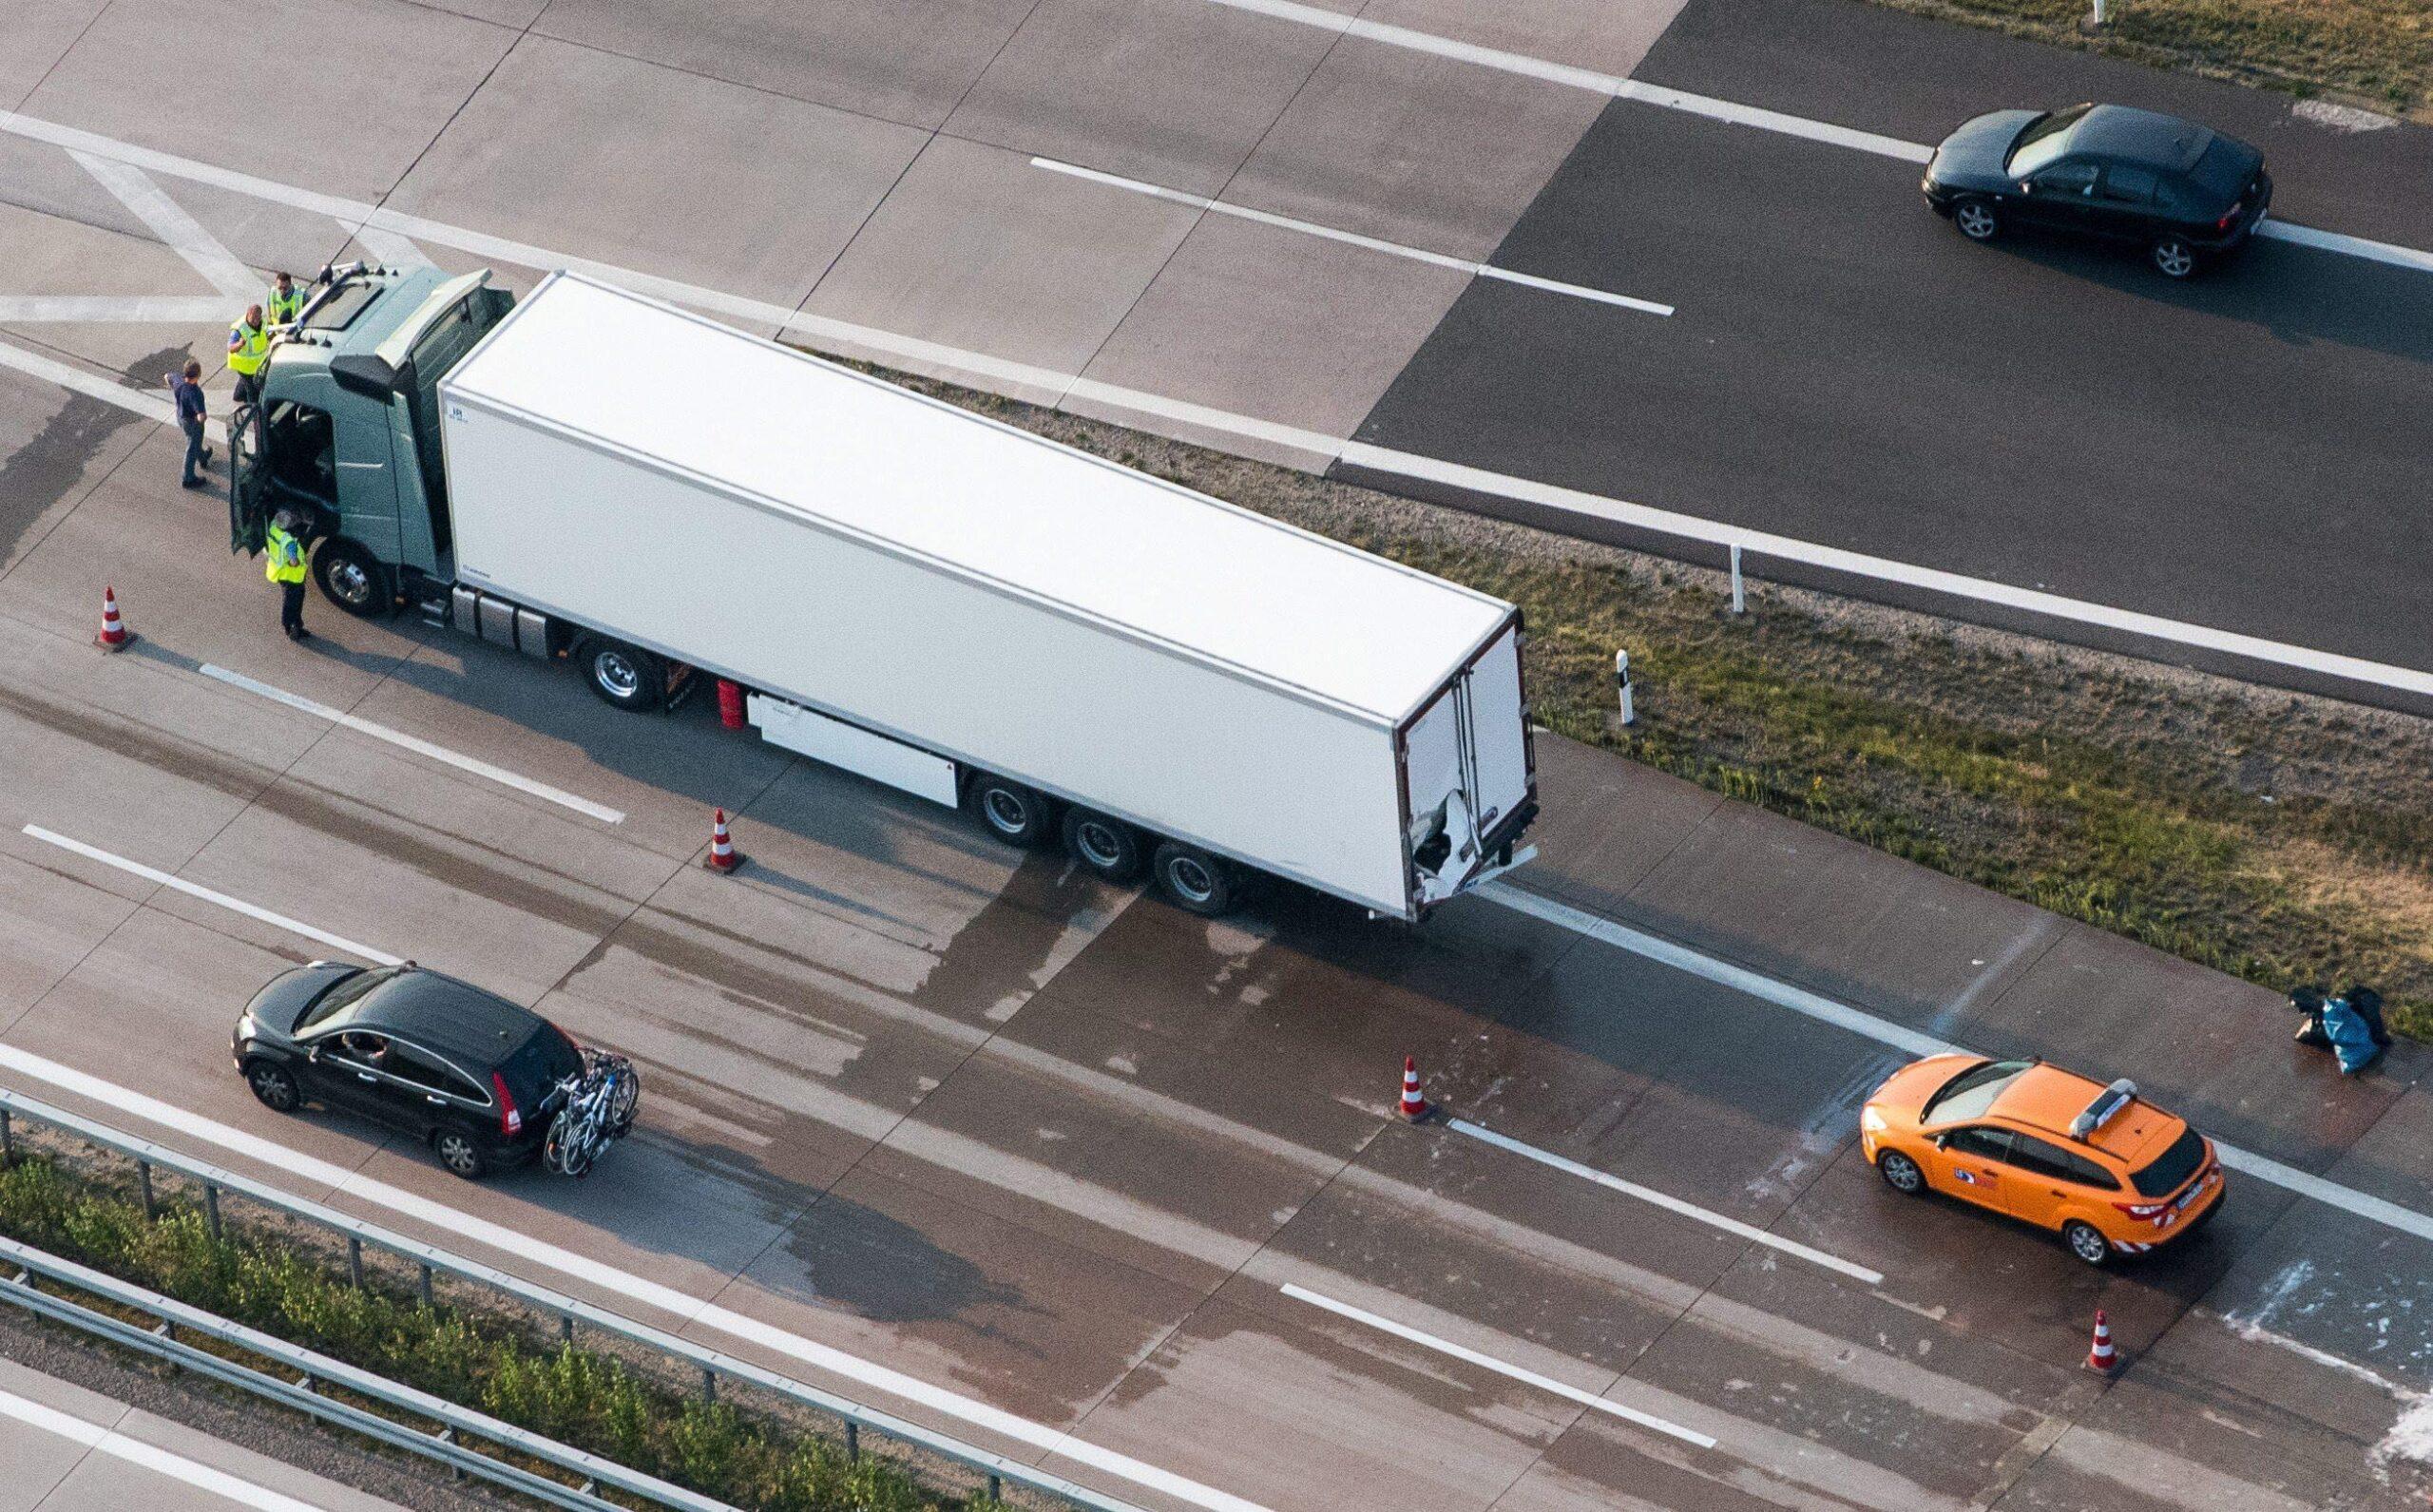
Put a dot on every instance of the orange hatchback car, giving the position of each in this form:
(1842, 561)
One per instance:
(2109, 1172)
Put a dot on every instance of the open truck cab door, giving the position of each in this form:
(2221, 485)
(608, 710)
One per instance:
(345, 431)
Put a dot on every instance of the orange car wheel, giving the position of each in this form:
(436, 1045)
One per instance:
(2086, 1242)
(1899, 1173)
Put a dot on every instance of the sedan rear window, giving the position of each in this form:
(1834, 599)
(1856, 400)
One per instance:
(2168, 1174)
(2224, 168)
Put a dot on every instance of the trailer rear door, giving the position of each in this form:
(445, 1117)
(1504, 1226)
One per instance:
(1467, 766)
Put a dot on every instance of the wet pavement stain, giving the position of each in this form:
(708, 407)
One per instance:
(40, 473)
(997, 957)
(881, 1267)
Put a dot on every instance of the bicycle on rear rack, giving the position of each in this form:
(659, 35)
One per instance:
(595, 1110)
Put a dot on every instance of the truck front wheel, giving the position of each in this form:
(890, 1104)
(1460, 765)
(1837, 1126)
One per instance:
(624, 676)
(1193, 880)
(1014, 814)
(354, 580)
(1108, 846)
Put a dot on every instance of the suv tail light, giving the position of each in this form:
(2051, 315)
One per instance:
(2144, 1212)
(511, 1118)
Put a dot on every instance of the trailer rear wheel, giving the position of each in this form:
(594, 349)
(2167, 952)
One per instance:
(1108, 846)
(624, 676)
(1017, 814)
(1193, 880)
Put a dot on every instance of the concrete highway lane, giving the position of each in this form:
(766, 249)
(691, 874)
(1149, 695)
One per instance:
(1061, 1151)
(952, 1128)
(2238, 452)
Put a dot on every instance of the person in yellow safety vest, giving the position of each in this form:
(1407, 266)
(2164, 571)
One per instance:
(283, 563)
(286, 301)
(248, 349)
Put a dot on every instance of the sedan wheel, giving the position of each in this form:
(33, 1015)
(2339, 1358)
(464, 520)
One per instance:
(460, 1155)
(274, 1087)
(2175, 258)
(1899, 1173)
(1976, 220)
(2086, 1243)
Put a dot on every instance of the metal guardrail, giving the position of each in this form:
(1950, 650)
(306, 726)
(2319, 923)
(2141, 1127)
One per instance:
(447, 1444)
(712, 1365)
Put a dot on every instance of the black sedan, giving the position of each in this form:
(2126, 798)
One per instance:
(2178, 189)
(464, 1071)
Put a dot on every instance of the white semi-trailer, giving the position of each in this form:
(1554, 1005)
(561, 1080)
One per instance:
(940, 602)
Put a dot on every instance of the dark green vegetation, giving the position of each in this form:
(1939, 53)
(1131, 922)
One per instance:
(2280, 838)
(2377, 52)
(578, 1396)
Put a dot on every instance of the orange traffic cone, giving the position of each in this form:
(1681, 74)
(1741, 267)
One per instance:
(723, 856)
(2103, 1359)
(1414, 1106)
(115, 636)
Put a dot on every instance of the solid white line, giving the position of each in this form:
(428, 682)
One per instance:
(1429, 1341)
(1066, 388)
(1311, 228)
(1670, 1204)
(2353, 246)
(150, 1457)
(181, 233)
(1884, 569)
(151, 405)
(622, 1283)
(336, 941)
(420, 747)
(1899, 1037)
(107, 309)
(1763, 120)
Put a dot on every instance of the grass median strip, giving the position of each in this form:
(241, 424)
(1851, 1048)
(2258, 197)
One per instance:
(2379, 53)
(590, 1399)
(2277, 837)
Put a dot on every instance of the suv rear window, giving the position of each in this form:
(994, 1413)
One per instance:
(2173, 1170)
(540, 1064)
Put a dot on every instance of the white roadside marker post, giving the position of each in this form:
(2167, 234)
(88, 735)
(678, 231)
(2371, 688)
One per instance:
(1739, 604)
(1622, 682)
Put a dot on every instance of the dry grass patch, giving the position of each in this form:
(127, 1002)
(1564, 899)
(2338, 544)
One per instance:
(2378, 52)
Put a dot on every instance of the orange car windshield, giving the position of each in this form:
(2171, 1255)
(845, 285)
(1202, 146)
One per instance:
(1970, 1093)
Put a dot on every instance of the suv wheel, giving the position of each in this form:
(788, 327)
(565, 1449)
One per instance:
(1976, 220)
(1899, 1173)
(2175, 258)
(2086, 1242)
(274, 1087)
(460, 1155)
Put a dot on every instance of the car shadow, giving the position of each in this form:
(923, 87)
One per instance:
(2301, 296)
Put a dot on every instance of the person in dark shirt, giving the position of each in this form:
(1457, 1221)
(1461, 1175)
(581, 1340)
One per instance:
(186, 389)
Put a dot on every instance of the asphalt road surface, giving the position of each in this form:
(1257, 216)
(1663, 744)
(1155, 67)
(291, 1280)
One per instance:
(1039, 1147)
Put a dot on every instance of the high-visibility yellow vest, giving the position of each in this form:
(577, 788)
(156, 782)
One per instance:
(284, 560)
(248, 349)
(283, 308)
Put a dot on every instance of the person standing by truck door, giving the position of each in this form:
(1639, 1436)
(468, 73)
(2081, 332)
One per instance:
(185, 387)
(286, 301)
(284, 565)
(248, 349)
